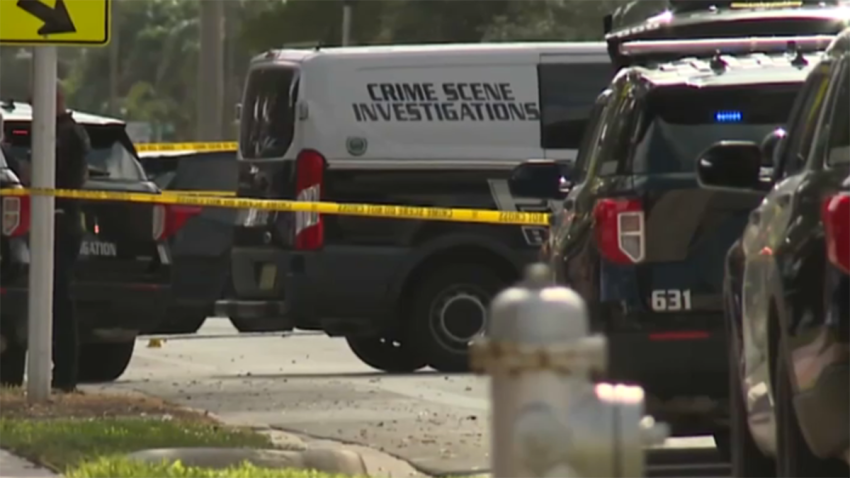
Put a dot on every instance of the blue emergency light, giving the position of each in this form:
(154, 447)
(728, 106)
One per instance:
(728, 117)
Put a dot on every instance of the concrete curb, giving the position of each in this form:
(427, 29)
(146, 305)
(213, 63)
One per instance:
(13, 466)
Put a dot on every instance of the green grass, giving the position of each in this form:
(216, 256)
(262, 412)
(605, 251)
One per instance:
(123, 468)
(65, 443)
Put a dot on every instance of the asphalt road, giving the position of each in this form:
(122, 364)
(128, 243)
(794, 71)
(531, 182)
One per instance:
(312, 384)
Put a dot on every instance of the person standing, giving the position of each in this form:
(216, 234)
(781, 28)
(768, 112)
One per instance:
(72, 146)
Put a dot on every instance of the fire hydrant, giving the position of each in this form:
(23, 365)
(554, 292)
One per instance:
(549, 419)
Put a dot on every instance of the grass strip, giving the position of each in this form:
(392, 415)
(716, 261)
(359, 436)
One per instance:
(62, 444)
(122, 468)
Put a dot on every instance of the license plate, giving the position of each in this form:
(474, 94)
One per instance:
(267, 277)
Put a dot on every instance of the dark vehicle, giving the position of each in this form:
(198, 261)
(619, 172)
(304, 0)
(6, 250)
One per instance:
(404, 293)
(786, 290)
(200, 250)
(691, 20)
(122, 283)
(641, 242)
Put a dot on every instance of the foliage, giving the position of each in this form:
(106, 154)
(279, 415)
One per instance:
(107, 467)
(158, 43)
(62, 444)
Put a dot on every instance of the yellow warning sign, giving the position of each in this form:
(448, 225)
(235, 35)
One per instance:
(367, 210)
(55, 22)
(187, 147)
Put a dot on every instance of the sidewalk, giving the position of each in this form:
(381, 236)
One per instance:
(13, 467)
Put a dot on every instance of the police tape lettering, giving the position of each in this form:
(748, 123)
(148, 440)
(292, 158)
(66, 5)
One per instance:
(369, 210)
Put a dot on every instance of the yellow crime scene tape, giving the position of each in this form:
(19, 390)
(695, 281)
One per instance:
(367, 210)
(176, 147)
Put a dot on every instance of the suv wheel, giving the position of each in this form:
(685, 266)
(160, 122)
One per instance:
(104, 362)
(385, 354)
(449, 310)
(793, 456)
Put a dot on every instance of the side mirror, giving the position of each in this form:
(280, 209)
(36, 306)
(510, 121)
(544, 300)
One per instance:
(537, 178)
(730, 165)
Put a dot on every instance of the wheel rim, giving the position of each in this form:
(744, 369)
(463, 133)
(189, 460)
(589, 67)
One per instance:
(457, 316)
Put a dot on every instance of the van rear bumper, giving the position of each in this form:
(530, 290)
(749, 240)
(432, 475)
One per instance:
(340, 289)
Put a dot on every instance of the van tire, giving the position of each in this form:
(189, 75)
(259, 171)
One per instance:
(181, 321)
(469, 288)
(385, 355)
(260, 325)
(104, 361)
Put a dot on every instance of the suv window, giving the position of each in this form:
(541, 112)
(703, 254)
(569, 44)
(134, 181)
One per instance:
(803, 122)
(588, 142)
(267, 125)
(681, 122)
(838, 147)
(111, 156)
(567, 95)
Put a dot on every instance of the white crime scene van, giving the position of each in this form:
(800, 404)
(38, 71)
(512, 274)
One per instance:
(430, 125)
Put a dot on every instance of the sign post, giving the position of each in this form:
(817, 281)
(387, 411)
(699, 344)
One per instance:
(47, 24)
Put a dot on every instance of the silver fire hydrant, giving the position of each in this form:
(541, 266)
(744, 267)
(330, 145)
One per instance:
(548, 417)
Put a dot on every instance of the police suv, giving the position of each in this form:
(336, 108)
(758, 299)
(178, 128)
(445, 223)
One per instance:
(434, 125)
(122, 282)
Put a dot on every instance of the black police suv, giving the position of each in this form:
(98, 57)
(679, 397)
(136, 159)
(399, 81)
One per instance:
(123, 277)
(638, 239)
(200, 250)
(786, 291)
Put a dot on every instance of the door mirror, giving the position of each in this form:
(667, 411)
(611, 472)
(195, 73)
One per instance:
(770, 145)
(730, 165)
(537, 178)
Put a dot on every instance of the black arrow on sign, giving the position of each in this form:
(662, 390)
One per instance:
(56, 19)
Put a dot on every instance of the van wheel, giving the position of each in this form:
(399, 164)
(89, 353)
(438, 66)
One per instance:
(104, 362)
(13, 360)
(449, 310)
(386, 354)
(259, 325)
(793, 456)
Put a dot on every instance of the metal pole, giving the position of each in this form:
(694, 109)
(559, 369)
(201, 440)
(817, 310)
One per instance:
(114, 60)
(40, 332)
(346, 22)
(211, 71)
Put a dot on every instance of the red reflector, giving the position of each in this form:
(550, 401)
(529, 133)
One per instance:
(681, 335)
(619, 230)
(836, 224)
(20, 132)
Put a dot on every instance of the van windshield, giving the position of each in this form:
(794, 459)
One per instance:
(680, 123)
(267, 122)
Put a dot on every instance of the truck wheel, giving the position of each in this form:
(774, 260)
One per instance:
(104, 362)
(259, 325)
(793, 456)
(449, 310)
(385, 354)
(181, 321)
(12, 363)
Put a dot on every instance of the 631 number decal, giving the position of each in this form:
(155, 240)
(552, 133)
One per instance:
(670, 300)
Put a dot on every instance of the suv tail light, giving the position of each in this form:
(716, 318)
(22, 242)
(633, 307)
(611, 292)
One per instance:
(836, 224)
(168, 219)
(16, 216)
(620, 230)
(309, 175)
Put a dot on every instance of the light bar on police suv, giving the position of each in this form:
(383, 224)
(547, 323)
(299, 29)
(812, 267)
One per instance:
(726, 45)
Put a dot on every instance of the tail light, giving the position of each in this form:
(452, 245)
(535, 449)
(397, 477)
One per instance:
(16, 216)
(309, 226)
(836, 224)
(620, 230)
(167, 220)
